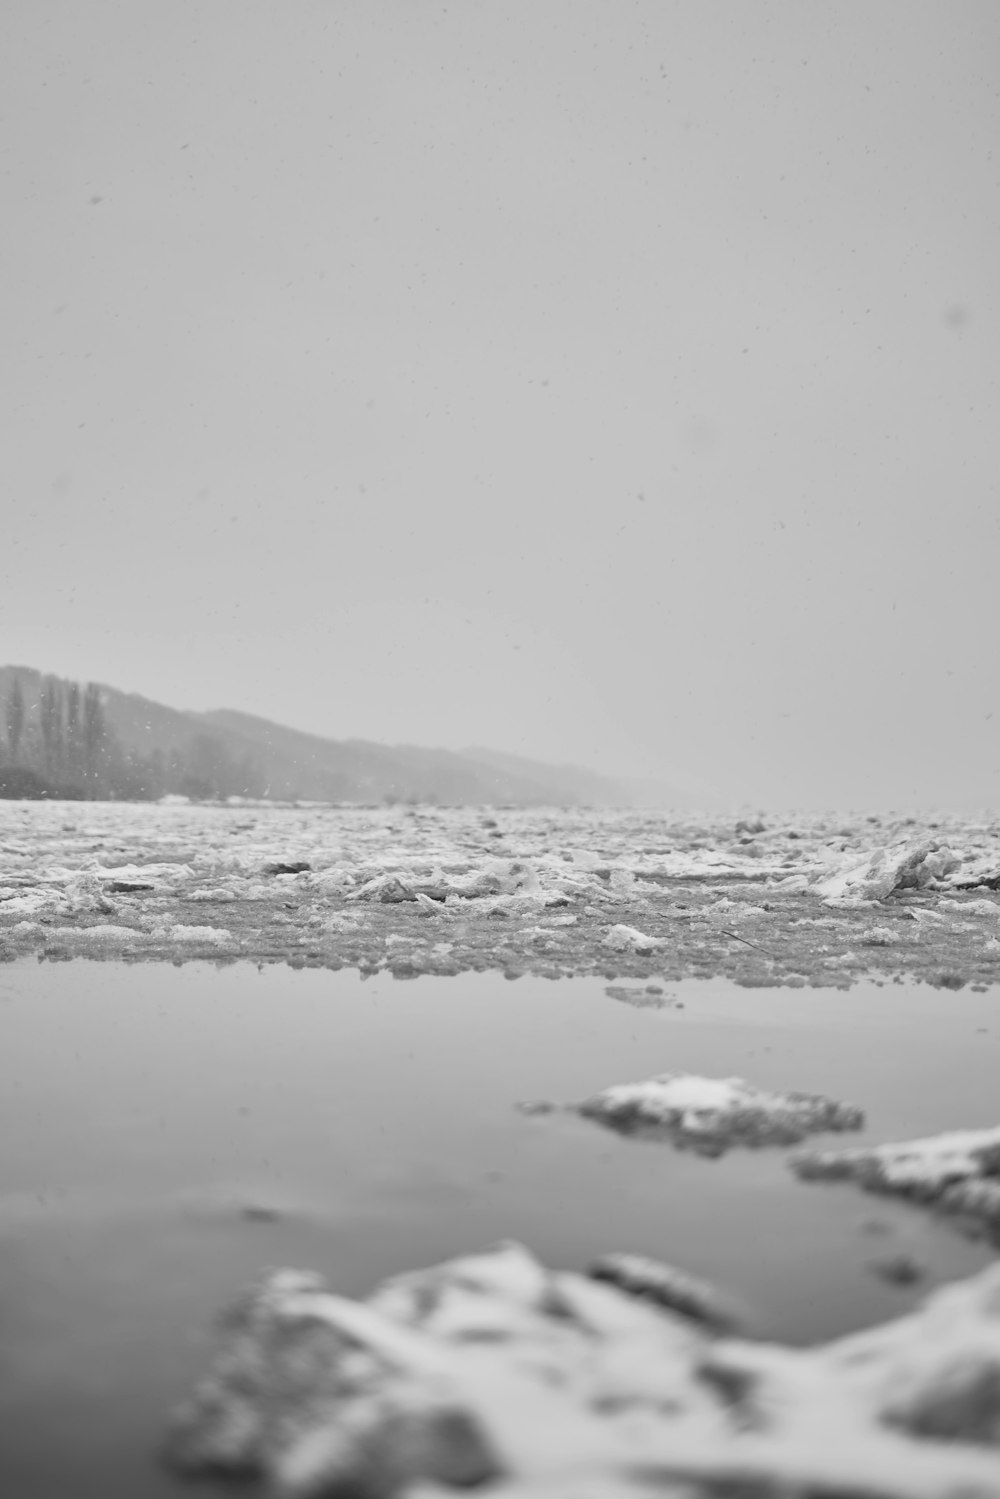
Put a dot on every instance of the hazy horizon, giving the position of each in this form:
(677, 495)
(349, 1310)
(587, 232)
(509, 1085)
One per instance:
(645, 791)
(608, 384)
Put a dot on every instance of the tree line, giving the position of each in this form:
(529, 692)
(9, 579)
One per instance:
(63, 746)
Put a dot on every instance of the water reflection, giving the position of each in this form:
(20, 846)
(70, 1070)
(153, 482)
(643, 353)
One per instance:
(166, 1133)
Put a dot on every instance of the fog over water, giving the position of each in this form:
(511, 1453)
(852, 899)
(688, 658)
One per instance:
(597, 381)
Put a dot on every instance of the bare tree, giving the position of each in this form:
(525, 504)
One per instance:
(94, 733)
(74, 734)
(50, 719)
(15, 717)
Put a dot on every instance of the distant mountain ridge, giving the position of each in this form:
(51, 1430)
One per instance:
(271, 760)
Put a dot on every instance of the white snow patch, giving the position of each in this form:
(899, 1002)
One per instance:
(684, 1093)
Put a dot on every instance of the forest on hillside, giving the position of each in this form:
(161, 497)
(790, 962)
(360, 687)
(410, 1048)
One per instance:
(57, 742)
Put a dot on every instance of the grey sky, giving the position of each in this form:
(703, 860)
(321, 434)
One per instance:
(599, 381)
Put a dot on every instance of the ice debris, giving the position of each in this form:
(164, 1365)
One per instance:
(978, 871)
(982, 907)
(491, 1370)
(958, 1172)
(900, 866)
(711, 1115)
(879, 936)
(68, 864)
(181, 933)
(387, 888)
(628, 939)
(103, 933)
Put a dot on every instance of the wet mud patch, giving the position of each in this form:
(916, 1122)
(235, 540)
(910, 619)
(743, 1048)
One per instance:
(168, 1134)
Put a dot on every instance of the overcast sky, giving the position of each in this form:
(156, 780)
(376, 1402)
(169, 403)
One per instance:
(612, 381)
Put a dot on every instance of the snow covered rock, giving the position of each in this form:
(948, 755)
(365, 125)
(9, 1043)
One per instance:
(668, 1287)
(958, 1172)
(491, 1370)
(712, 1115)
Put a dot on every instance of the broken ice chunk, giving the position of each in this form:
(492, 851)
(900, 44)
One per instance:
(628, 939)
(899, 867)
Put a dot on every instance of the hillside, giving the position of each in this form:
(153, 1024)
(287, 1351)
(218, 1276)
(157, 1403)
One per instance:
(359, 770)
(577, 785)
(225, 752)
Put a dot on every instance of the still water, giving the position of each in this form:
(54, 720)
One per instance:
(168, 1133)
